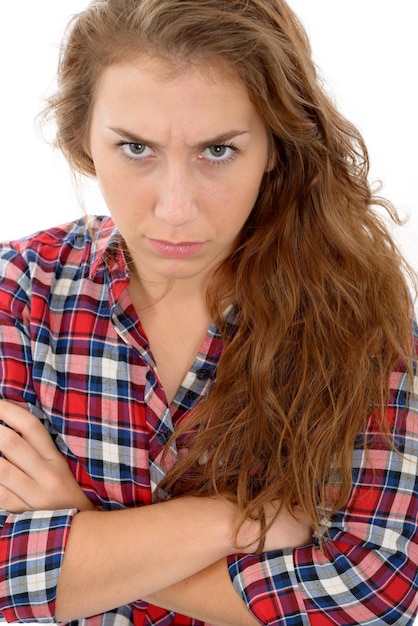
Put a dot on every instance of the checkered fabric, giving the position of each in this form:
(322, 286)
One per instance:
(72, 350)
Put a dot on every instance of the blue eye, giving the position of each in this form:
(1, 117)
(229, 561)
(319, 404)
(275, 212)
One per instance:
(136, 148)
(220, 152)
(135, 151)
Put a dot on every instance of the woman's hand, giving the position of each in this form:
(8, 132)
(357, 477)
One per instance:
(34, 475)
(287, 530)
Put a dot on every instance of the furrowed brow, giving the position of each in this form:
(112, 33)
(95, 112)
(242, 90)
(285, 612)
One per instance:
(220, 139)
(130, 137)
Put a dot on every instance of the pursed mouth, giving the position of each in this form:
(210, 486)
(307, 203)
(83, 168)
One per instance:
(182, 249)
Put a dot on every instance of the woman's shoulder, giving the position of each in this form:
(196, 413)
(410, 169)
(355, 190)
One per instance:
(62, 252)
(71, 239)
(81, 230)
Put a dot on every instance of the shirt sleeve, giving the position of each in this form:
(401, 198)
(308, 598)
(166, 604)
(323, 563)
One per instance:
(367, 569)
(31, 544)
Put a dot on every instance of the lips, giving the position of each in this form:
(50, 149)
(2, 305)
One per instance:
(181, 250)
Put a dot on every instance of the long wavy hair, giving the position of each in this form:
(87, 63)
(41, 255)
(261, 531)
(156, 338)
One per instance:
(322, 303)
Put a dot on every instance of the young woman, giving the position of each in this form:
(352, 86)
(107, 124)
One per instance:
(225, 366)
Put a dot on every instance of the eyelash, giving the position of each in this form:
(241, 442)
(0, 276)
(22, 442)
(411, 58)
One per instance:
(226, 160)
(122, 144)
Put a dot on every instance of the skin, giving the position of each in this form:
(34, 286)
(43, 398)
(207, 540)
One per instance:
(174, 178)
(166, 564)
(179, 157)
(161, 145)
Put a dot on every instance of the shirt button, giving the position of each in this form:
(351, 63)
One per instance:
(162, 437)
(203, 374)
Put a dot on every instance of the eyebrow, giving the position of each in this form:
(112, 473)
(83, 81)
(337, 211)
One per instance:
(213, 141)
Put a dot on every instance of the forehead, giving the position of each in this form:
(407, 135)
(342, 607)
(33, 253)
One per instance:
(155, 73)
(153, 91)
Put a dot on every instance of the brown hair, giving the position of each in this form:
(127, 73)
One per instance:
(323, 310)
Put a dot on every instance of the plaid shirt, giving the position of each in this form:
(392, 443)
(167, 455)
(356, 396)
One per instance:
(73, 351)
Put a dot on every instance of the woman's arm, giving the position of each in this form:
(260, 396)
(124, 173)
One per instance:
(40, 534)
(34, 475)
(207, 596)
(33, 535)
(146, 549)
(111, 558)
(116, 557)
(366, 572)
(151, 548)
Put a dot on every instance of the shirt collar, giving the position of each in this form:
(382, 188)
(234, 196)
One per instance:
(106, 247)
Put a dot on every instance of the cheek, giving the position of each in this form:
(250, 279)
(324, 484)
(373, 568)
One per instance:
(239, 191)
(244, 195)
(231, 217)
(230, 203)
(120, 192)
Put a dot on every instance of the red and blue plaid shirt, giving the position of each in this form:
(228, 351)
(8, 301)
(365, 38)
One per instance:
(72, 350)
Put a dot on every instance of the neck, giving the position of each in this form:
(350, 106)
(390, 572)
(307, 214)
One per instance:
(169, 293)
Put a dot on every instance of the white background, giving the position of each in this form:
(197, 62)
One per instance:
(366, 50)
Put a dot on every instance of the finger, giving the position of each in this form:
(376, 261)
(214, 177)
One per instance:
(29, 427)
(11, 503)
(21, 455)
(14, 487)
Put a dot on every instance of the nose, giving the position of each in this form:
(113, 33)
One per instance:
(176, 202)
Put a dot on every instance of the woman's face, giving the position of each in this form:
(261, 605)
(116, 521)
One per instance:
(179, 158)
